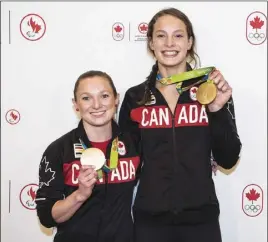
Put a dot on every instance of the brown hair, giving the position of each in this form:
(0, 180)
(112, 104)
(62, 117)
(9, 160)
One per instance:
(93, 73)
(151, 79)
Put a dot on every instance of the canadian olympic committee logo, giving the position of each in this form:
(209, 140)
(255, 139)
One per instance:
(252, 200)
(121, 148)
(12, 116)
(28, 195)
(256, 28)
(118, 31)
(193, 92)
(32, 27)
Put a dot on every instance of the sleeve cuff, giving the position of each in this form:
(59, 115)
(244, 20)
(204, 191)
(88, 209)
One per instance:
(44, 212)
(220, 115)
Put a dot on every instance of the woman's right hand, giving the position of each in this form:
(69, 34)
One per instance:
(64, 209)
(86, 180)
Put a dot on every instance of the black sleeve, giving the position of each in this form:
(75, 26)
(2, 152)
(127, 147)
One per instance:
(128, 126)
(226, 144)
(51, 185)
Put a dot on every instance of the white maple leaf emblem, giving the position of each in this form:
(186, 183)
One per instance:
(48, 174)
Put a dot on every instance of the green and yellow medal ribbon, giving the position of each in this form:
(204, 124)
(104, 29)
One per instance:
(207, 92)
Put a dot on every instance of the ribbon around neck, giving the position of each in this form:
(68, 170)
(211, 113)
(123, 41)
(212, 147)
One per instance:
(181, 77)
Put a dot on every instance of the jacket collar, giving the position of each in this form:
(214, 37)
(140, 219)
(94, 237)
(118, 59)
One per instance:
(81, 133)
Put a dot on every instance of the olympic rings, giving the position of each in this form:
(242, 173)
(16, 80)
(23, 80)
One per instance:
(257, 36)
(253, 208)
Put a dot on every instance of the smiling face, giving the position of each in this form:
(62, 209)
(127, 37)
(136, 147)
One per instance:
(96, 101)
(170, 43)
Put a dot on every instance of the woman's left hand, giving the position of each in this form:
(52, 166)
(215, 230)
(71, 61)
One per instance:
(224, 91)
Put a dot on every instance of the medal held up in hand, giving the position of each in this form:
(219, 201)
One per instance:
(206, 92)
(93, 157)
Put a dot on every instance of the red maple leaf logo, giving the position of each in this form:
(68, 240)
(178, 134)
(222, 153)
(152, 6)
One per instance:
(118, 29)
(35, 27)
(32, 194)
(257, 24)
(13, 115)
(252, 195)
(194, 90)
(143, 28)
(120, 145)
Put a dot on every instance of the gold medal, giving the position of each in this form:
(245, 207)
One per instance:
(206, 92)
(96, 157)
(93, 157)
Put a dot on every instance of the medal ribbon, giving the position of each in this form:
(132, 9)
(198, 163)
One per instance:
(113, 157)
(179, 78)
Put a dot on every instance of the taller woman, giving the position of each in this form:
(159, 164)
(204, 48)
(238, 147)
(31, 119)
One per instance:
(178, 136)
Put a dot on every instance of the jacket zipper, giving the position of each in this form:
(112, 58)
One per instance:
(174, 144)
(103, 205)
(105, 177)
(175, 157)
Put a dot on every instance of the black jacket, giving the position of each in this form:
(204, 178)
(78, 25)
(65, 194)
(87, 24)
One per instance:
(106, 215)
(176, 150)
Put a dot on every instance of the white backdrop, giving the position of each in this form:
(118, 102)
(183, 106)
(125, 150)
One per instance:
(38, 77)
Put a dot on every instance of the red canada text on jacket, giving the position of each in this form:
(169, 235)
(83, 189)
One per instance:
(161, 117)
(125, 171)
